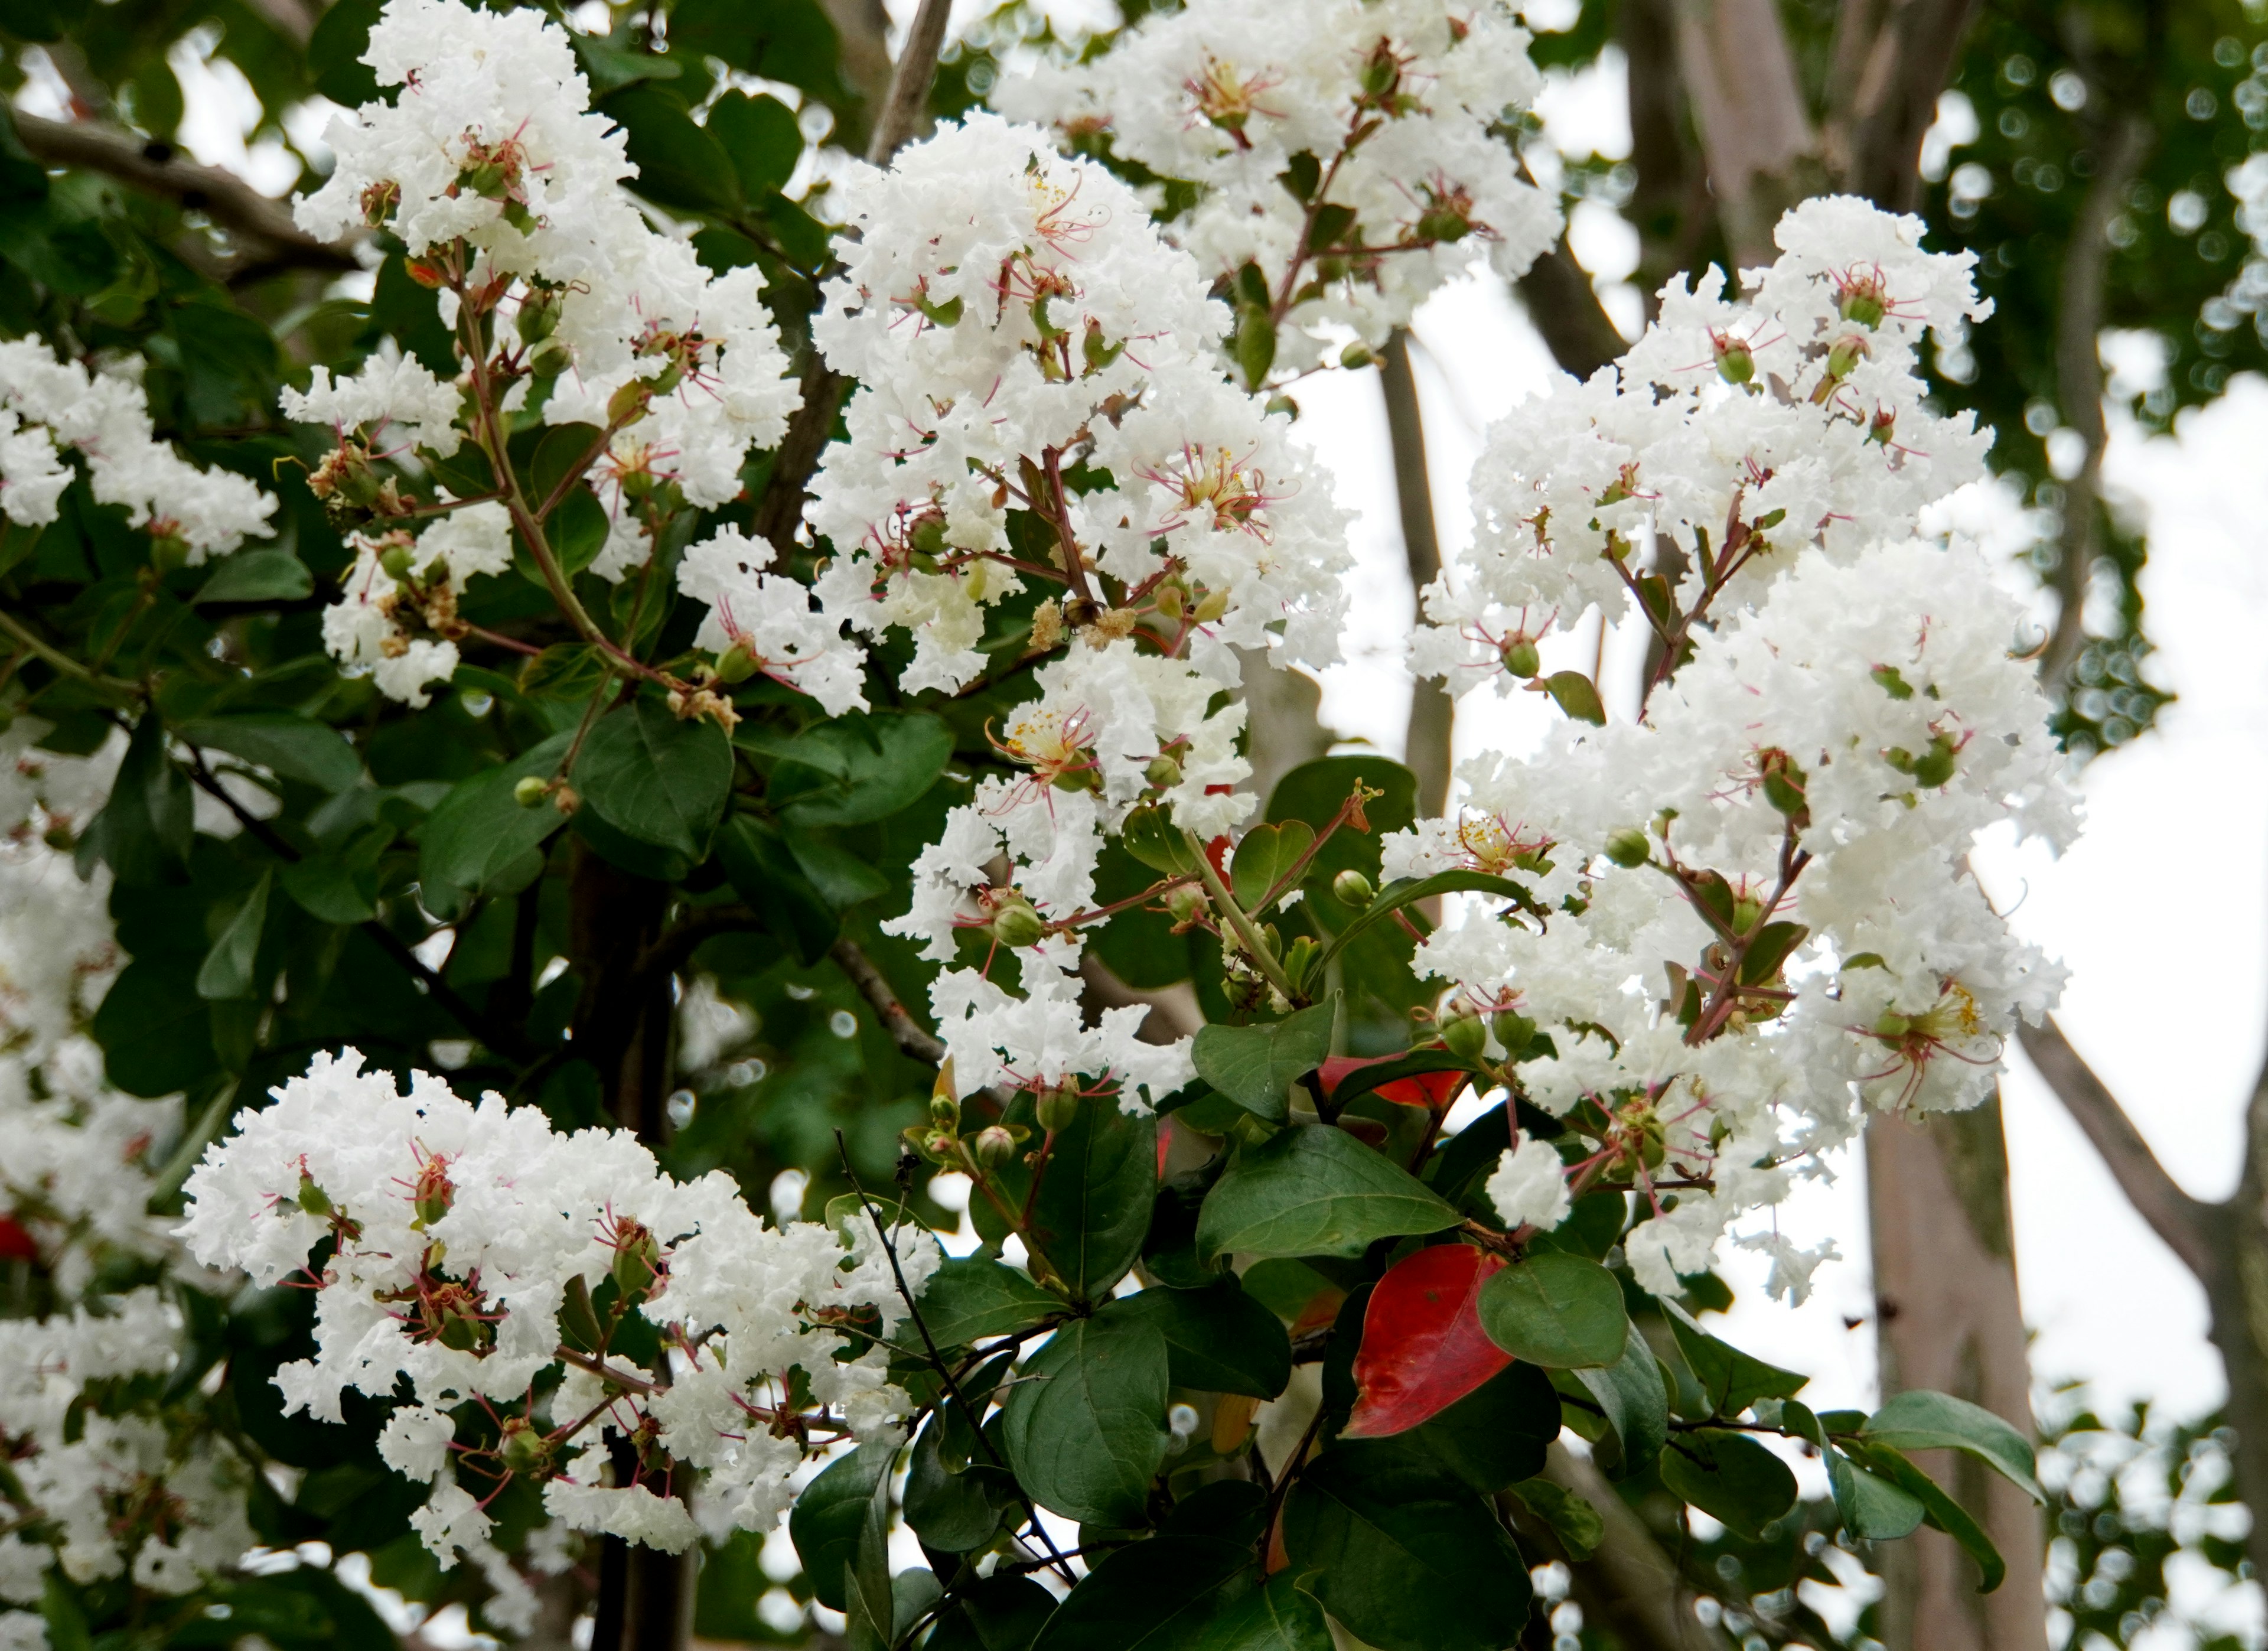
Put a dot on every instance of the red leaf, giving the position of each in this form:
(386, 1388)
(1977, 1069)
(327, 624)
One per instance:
(1422, 1347)
(16, 1244)
(1430, 1089)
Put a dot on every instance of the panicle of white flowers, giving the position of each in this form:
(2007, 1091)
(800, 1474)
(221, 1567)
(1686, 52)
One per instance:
(1756, 916)
(98, 1488)
(1351, 152)
(506, 189)
(47, 405)
(474, 1250)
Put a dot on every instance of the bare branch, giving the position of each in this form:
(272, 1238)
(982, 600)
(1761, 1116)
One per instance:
(910, 82)
(1565, 309)
(161, 169)
(2184, 1223)
(1426, 749)
(906, 1032)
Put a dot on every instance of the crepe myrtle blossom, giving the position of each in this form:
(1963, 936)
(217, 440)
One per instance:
(1347, 157)
(490, 166)
(488, 1262)
(49, 406)
(1040, 398)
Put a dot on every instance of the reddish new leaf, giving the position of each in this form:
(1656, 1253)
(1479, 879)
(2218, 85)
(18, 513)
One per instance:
(1422, 1346)
(1433, 1090)
(16, 1244)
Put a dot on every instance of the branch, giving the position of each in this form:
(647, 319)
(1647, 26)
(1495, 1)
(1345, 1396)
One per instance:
(1628, 1584)
(906, 1032)
(1564, 306)
(157, 168)
(910, 82)
(680, 943)
(1432, 714)
(1890, 62)
(2184, 1223)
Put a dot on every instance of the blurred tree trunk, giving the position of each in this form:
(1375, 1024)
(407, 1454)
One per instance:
(1947, 1318)
(1427, 747)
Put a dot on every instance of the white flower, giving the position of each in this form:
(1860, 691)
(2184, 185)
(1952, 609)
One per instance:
(1529, 1187)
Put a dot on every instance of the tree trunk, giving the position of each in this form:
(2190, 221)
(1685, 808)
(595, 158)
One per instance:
(621, 1026)
(1281, 727)
(1949, 1318)
(1427, 748)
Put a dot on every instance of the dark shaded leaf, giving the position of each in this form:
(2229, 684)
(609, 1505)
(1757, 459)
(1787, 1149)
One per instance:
(295, 748)
(831, 1515)
(1729, 1476)
(970, 1298)
(1313, 1191)
(1558, 1310)
(1085, 1426)
(1153, 1595)
(1217, 1339)
(1257, 1065)
(656, 777)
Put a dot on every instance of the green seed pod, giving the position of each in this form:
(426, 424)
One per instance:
(1352, 888)
(736, 664)
(313, 1198)
(1016, 924)
(1173, 601)
(1521, 657)
(1356, 356)
(539, 315)
(397, 561)
(1845, 354)
(637, 1259)
(1746, 910)
(531, 790)
(1863, 307)
(1628, 849)
(1212, 607)
(524, 1448)
(1058, 1106)
(1736, 362)
(1466, 1036)
(1185, 904)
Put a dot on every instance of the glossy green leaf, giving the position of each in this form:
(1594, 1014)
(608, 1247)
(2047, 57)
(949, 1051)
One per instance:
(1092, 1209)
(679, 165)
(1257, 1065)
(970, 1298)
(1396, 897)
(1576, 695)
(1635, 1400)
(1942, 1513)
(144, 830)
(1266, 857)
(1152, 837)
(1278, 1618)
(1407, 1561)
(953, 1512)
(228, 969)
(762, 139)
(764, 869)
(1922, 1420)
(656, 777)
(1730, 1477)
(855, 768)
(1731, 1379)
(831, 1515)
(155, 1031)
(295, 747)
(1314, 1190)
(257, 576)
(1151, 1596)
(1493, 1437)
(999, 1612)
(1217, 1339)
(1557, 1311)
(480, 831)
(1085, 1426)
(1871, 1507)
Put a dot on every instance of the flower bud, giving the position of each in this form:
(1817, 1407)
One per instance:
(737, 663)
(1466, 1036)
(1845, 354)
(1521, 657)
(433, 1193)
(1015, 924)
(1864, 307)
(994, 1146)
(539, 315)
(637, 1259)
(1443, 224)
(945, 1109)
(1058, 1106)
(1172, 601)
(1736, 362)
(531, 790)
(1186, 904)
(397, 561)
(1163, 772)
(1890, 1026)
(1628, 848)
(1356, 356)
(1747, 909)
(1353, 889)
(628, 404)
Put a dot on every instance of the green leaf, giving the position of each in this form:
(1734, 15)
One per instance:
(1732, 1380)
(145, 829)
(1494, 1436)
(330, 889)
(1924, 1420)
(1729, 1476)
(969, 1298)
(1313, 1191)
(294, 746)
(756, 855)
(656, 777)
(953, 1512)
(1256, 1066)
(1264, 858)
(1395, 896)
(997, 1613)
(1316, 792)
(1576, 695)
(258, 576)
(1572, 1519)
(1152, 837)
(228, 969)
(869, 1601)
(1092, 1211)
(680, 166)
(839, 877)
(854, 769)
(1406, 1561)
(831, 1515)
(1943, 1512)
(1153, 1595)
(1085, 1425)
(1276, 1618)
(1217, 1339)
(1557, 1311)
(1872, 1507)
(155, 1031)
(1636, 1401)
(479, 832)
(335, 53)
(1769, 950)
(762, 139)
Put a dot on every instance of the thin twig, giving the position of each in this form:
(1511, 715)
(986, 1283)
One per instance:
(604, 1371)
(906, 1032)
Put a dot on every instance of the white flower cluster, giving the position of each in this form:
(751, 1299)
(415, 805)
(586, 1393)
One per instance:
(1758, 918)
(1041, 398)
(98, 1490)
(47, 405)
(1733, 435)
(476, 1249)
(506, 188)
(1350, 150)
(403, 631)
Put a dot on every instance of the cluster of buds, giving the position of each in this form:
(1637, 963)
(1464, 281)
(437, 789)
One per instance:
(351, 488)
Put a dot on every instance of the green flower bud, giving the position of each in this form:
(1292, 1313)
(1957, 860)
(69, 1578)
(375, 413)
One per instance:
(531, 790)
(1163, 772)
(1466, 1036)
(1353, 889)
(1356, 356)
(1185, 904)
(637, 1262)
(1629, 848)
(945, 1109)
(397, 561)
(1016, 924)
(994, 1146)
(1863, 306)
(1890, 1026)
(1058, 1106)
(1172, 601)
(1736, 362)
(1214, 604)
(628, 404)
(1746, 910)
(539, 315)
(1845, 354)
(736, 664)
